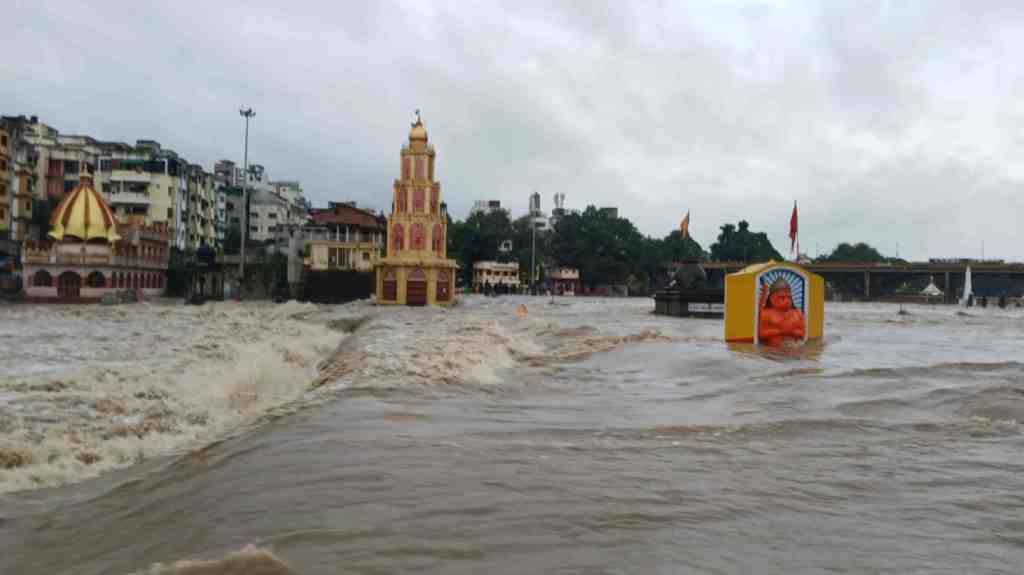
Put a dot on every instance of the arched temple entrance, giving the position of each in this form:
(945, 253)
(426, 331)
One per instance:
(416, 288)
(69, 285)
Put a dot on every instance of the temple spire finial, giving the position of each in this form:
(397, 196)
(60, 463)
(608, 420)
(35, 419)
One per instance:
(418, 120)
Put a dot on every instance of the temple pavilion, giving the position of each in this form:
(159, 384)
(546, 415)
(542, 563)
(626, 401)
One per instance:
(416, 270)
(89, 254)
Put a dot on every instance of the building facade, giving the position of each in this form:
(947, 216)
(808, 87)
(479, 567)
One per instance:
(146, 184)
(6, 185)
(343, 237)
(485, 207)
(267, 211)
(563, 281)
(416, 270)
(487, 275)
(89, 254)
(202, 209)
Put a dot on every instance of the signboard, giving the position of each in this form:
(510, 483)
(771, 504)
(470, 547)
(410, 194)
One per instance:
(705, 307)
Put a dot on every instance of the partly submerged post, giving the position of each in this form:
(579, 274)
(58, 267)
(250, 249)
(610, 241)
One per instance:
(773, 303)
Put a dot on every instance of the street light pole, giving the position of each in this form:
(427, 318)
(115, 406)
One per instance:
(248, 114)
(533, 253)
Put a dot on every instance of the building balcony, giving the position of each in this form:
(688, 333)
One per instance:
(129, 199)
(130, 176)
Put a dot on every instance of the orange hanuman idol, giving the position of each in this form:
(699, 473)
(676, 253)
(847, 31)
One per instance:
(779, 321)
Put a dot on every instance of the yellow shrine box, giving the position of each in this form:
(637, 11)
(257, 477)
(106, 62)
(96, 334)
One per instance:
(750, 315)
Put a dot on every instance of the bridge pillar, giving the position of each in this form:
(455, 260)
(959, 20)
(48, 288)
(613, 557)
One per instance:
(867, 285)
(946, 292)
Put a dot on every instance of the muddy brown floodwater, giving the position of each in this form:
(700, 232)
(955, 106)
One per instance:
(588, 437)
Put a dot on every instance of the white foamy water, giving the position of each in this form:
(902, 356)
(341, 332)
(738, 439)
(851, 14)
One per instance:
(91, 388)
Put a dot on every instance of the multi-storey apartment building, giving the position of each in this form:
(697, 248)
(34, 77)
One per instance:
(144, 184)
(6, 185)
(202, 209)
(267, 211)
(54, 160)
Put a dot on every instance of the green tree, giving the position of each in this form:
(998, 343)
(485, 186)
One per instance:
(859, 252)
(605, 249)
(658, 255)
(742, 245)
(42, 210)
(478, 239)
(524, 242)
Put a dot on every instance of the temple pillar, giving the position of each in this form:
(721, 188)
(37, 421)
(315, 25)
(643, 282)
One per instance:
(867, 285)
(948, 295)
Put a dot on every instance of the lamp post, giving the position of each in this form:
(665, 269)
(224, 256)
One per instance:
(248, 114)
(533, 247)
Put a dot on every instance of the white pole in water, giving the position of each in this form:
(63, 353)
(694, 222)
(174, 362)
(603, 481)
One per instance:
(248, 114)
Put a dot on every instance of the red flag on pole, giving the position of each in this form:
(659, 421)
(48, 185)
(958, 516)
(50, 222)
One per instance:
(793, 230)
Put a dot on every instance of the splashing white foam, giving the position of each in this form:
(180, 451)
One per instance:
(158, 379)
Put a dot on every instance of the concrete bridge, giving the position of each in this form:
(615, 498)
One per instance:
(874, 280)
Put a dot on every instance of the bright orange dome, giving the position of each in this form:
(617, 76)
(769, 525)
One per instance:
(83, 215)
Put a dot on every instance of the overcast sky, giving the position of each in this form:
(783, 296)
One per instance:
(895, 123)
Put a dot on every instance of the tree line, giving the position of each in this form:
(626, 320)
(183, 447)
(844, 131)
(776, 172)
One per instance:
(609, 250)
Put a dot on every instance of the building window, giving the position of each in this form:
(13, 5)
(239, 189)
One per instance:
(95, 280)
(170, 213)
(254, 228)
(366, 256)
(437, 239)
(42, 278)
(418, 236)
(3, 141)
(397, 238)
(418, 199)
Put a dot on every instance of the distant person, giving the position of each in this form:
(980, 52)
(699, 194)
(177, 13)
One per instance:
(779, 322)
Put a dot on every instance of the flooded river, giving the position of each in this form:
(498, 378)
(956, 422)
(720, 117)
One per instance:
(588, 437)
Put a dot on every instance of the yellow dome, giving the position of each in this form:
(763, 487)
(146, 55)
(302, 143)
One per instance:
(418, 132)
(83, 215)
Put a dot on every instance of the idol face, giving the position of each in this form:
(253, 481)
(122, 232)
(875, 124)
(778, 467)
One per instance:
(781, 300)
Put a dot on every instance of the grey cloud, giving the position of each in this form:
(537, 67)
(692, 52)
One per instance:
(880, 119)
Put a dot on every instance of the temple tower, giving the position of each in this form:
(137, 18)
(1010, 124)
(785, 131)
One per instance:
(416, 270)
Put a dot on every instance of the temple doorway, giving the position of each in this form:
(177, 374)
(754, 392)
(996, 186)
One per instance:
(69, 285)
(416, 288)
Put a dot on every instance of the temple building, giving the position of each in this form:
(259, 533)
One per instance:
(90, 254)
(343, 237)
(416, 270)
